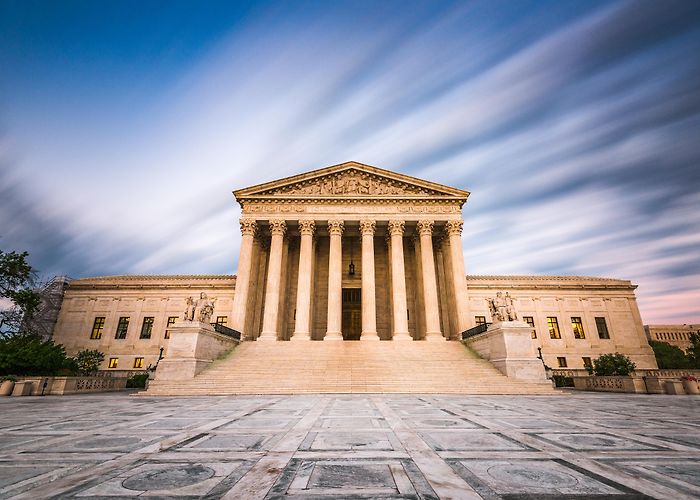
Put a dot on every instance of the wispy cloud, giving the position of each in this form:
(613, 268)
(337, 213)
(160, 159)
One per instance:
(574, 125)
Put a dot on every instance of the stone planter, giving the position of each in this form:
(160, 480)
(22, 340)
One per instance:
(674, 387)
(691, 387)
(6, 387)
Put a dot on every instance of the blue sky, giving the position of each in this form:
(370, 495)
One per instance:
(124, 127)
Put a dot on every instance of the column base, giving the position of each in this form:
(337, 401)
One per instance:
(369, 336)
(333, 336)
(402, 337)
(267, 337)
(300, 337)
(434, 337)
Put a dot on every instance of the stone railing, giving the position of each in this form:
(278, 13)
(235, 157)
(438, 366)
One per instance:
(610, 384)
(667, 373)
(57, 386)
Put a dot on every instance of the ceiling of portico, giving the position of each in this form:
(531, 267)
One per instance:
(351, 181)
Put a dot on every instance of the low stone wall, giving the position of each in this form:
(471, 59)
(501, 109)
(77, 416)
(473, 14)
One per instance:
(610, 384)
(508, 346)
(192, 348)
(58, 386)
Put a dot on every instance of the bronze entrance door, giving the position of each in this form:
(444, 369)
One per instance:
(352, 314)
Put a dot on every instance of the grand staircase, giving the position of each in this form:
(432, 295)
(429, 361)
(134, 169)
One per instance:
(349, 367)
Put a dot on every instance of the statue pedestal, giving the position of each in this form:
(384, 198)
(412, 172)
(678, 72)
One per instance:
(192, 347)
(508, 346)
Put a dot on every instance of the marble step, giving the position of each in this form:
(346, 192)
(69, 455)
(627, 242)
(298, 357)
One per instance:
(349, 367)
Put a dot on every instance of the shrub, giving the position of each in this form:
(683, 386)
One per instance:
(30, 355)
(563, 381)
(88, 361)
(613, 364)
(693, 352)
(137, 381)
(669, 356)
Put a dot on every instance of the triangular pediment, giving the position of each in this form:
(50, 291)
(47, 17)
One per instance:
(351, 180)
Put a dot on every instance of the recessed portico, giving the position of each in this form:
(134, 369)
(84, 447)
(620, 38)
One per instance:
(350, 249)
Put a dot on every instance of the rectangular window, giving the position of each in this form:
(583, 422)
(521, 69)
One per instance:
(531, 321)
(587, 363)
(480, 320)
(171, 322)
(113, 362)
(138, 362)
(562, 362)
(122, 328)
(553, 326)
(147, 327)
(98, 327)
(577, 327)
(222, 320)
(602, 328)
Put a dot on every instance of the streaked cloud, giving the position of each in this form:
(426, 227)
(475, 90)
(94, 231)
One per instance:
(574, 125)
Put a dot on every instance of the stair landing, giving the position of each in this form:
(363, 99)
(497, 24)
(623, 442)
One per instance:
(349, 367)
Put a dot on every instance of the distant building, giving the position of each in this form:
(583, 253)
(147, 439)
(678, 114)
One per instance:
(678, 335)
(353, 252)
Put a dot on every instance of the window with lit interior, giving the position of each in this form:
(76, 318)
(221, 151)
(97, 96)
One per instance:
(577, 327)
(553, 326)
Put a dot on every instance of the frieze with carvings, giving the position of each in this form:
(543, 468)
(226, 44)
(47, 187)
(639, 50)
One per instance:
(282, 208)
(352, 183)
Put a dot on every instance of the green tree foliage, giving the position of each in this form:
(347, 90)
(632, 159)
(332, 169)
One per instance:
(669, 356)
(613, 364)
(88, 361)
(693, 352)
(16, 280)
(30, 355)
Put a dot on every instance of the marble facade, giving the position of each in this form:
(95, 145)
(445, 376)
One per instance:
(355, 252)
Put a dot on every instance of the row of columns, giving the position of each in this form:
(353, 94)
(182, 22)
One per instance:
(302, 327)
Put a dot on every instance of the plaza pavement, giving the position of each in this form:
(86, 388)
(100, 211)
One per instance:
(582, 445)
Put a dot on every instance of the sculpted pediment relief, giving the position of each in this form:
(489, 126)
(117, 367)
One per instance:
(351, 183)
(350, 180)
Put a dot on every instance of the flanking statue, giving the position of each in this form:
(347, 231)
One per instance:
(502, 308)
(202, 308)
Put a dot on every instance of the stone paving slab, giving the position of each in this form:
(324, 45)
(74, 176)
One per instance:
(580, 446)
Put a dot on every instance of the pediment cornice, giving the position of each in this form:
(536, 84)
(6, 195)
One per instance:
(350, 181)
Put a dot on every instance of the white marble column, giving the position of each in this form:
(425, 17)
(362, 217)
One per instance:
(302, 323)
(459, 278)
(398, 281)
(274, 278)
(335, 281)
(369, 300)
(430, 295)
(243, 274)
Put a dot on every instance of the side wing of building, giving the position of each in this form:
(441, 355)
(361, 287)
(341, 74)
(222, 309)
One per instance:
(575, 318)
(126, 317)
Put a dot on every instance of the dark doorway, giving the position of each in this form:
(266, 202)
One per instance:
(352, 313)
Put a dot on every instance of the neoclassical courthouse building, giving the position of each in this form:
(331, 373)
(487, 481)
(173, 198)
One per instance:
(356, 253)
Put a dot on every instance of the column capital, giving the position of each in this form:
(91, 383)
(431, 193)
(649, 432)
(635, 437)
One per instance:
(454, 227)
(425, 227)
(336, 226)
(396, 226)
(307, 227)
(278, 226)
(367, 227)
(248, 226)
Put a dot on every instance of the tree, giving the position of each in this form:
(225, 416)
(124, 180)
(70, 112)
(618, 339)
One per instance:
(88, 361)
(669, 356)
(693, 352)
(613, 364)
(16, 280)
(30, 355)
